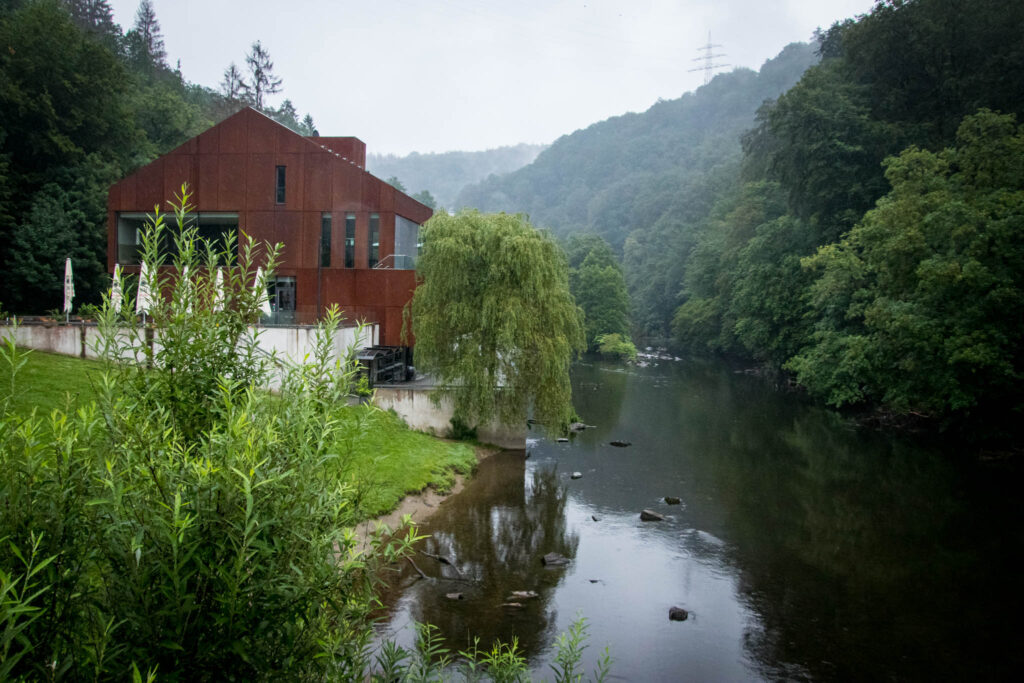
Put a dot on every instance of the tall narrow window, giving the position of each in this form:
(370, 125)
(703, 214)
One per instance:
(374, 239)
(325, 240)
(280, 184)
(350, 240)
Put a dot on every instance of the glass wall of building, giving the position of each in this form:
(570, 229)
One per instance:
(406, 243)
(215, 227)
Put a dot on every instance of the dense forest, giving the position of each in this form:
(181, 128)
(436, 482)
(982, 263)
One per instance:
(866, 232)
(444, 174)
(83, 103)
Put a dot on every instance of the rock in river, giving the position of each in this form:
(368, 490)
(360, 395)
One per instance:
(620, 444)
(673, 500)
(562, 439)
(651, 516)
(454, 596)
(554, 560)
(577, 475)
(521, 595)
(677, 614)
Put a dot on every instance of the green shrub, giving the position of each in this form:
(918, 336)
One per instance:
(615, 346)
(188, 522)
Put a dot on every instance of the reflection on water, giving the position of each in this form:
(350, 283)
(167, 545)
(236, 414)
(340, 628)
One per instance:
(494, 534)
(803, 549)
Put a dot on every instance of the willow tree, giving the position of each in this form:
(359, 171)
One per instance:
(493, 318)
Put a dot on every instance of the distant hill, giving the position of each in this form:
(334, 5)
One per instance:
(626, 172)
(445, 174)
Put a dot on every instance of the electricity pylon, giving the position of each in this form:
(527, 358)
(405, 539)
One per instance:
(708, 59)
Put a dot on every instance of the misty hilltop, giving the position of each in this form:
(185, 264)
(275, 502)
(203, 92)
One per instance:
(444, 174)
(623, 173)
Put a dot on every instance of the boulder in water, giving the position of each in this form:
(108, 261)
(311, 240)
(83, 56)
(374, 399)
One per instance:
(651, 516)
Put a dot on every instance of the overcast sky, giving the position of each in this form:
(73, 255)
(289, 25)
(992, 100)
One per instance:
(440, 75)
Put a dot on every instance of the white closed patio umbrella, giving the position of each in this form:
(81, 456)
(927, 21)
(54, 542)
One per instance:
(116, 297)
(69, 289)
(144, 299)
(261, 291)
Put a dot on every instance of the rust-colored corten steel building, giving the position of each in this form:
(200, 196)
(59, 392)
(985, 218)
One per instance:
(349, 238)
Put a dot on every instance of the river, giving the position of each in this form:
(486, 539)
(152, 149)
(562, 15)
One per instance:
(803, 548)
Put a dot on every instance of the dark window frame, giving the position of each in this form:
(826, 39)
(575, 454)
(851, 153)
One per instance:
(325, 240)
(350, 240)
(281, 176)
(374, 251)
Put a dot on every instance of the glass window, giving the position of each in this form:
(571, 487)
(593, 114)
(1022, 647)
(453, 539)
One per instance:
(325, 240)
(281, 291)
(210, 227)
(406, 243)
(280, 184)
(374, 239)
(350, 240)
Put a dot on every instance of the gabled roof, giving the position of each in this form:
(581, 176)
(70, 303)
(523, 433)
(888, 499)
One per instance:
(249, 131)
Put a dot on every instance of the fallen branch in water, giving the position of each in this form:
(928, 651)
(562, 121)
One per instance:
(418, 570)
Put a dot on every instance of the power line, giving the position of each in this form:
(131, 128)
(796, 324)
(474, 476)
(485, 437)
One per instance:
(708, 59)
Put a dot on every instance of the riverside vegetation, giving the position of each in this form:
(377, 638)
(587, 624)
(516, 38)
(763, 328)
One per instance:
(184, 523)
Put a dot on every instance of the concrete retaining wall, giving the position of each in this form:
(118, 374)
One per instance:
(292, 343)
(415, 407)
(289, 343)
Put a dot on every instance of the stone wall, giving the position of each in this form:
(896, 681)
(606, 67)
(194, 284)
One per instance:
(413, 405)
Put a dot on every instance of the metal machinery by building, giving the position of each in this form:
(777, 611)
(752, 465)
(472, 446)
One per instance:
(385, 364)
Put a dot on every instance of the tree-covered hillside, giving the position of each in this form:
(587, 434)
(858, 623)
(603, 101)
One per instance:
(625, 173)
(445, 174)
(873, 242)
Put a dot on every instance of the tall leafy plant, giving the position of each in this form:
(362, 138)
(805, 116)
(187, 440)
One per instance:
(190, 522)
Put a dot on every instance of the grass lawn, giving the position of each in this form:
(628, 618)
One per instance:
(49, 381)
(390, 460)
(385, 458)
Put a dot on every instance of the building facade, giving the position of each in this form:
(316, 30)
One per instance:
(349, 238)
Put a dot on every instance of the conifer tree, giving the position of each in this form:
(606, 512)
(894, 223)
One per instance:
(145, 40)
(262, 81)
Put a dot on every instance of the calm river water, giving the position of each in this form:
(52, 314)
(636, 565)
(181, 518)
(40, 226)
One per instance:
(803, 549)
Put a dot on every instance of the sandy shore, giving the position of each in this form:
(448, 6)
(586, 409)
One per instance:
(420, 505)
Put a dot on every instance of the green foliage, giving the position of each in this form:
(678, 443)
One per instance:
(597, 284)
(502, 663)
(569, 647)
(363, 387)
(620, 177)
(920, 305)
(426, 199)
(614, 346)
(460, 431)
(493, 318)
(203, 544)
